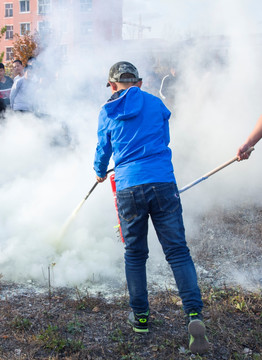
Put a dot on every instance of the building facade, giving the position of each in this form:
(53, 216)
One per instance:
(68, 23)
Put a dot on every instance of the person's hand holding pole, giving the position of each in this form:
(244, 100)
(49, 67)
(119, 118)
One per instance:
(252, 139)
(242, 152)
(100, 179)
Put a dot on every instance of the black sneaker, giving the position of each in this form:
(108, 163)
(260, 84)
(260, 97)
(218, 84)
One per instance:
(198, 342)
(139, 321)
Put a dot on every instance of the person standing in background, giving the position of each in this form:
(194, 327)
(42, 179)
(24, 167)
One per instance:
(18, 69)
(5, 88)
(168, 88)
(22, 92)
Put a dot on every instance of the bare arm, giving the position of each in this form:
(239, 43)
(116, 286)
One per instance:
(253, 138)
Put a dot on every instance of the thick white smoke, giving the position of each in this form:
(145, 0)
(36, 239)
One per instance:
(47, 162)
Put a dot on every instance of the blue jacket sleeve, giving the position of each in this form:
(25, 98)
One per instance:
(166, 116)
(104, 147)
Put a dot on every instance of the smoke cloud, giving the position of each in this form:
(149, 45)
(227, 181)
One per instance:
(47, 162)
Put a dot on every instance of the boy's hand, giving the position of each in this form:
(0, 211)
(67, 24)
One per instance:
(99, 179)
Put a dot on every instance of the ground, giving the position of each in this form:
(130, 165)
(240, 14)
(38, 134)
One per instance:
(66, 324)
(69, 323)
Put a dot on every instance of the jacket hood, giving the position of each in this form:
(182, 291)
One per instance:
(128, 105)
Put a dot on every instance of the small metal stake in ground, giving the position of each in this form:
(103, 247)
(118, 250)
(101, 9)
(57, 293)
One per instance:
(212, 172)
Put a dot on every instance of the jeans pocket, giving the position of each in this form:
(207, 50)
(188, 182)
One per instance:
(167, 196)
(126, 205)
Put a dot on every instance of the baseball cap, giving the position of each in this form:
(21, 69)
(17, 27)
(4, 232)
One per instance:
(120, 68)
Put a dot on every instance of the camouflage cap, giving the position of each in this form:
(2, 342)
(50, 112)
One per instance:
(120, 68)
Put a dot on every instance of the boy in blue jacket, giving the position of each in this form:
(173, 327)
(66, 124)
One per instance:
(133, 127)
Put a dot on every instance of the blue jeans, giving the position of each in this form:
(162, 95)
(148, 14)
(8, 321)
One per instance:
(162, 202)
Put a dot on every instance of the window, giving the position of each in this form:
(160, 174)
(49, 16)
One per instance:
(9, 32)
(62, 3)
(44, 6)
(24, 28)
(85, 5)
(8, 10)
(9, 53)
(25, 6)
(44, 28)
(86, 28)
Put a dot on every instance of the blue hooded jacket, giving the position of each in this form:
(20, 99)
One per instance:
(135, 129)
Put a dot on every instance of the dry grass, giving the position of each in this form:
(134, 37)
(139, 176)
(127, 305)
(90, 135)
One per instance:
(67, 324)
(39, 327)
